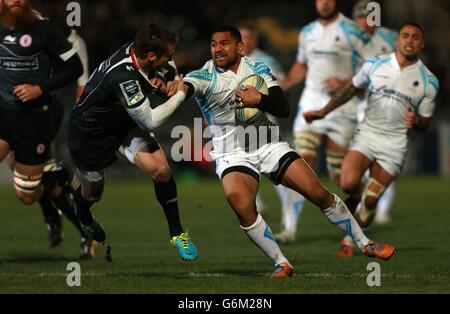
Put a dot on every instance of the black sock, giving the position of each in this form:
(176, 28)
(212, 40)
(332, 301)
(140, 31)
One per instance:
(84, 208)
(48, 209)
(166, 193)
(49, 181)
(66, 206)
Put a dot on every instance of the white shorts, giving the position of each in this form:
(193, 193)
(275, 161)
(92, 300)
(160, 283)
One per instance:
(135, 141)
(388, 151)
(339, 125)
(271, 160)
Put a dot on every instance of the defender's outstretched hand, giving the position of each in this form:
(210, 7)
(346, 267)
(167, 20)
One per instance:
(173, 87)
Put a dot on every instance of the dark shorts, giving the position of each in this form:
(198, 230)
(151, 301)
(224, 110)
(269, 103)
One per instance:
(29, 134)
(92, 152)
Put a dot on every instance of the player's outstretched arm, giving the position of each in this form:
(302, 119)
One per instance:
(148, 118)
(342, 96)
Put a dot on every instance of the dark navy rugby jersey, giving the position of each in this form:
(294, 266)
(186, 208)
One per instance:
(116, 85)
(26, 57)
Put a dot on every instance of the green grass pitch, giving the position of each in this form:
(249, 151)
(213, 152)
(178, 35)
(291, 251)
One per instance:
(144, 262)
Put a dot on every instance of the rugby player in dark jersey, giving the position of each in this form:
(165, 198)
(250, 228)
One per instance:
(30, 46)
(114, 114)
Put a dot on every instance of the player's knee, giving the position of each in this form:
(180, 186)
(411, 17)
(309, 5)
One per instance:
(26, 198)
(92, 195)
(162, 174)
(240, 201)
(27, 187)
(93, 198)
(306, 144)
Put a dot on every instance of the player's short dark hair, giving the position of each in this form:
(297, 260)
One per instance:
(414, 24)
(235, 33)
(153, 37)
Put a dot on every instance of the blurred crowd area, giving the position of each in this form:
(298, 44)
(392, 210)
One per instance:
(107, 24)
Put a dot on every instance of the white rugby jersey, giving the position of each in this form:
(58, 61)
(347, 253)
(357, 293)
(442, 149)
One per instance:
(392, 91)
(215, 92)
(384, 40)
(270, 61)
(336, 50)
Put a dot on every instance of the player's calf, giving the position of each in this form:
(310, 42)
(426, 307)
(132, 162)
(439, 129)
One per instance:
(367, 211)
(334, 163)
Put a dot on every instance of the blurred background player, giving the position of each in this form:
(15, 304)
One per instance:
(402, 95)
(63, 98)
(239, 165)
(114, 115)
(330, 51)
(36, 59)
(384, 40)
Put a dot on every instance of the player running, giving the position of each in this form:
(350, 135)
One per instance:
(384, 40)
(401, 98)
(114, 114)
(239, 165)
(32, 48)
(330, 51)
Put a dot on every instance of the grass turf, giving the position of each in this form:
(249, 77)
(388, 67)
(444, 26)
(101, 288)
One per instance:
(144, 262)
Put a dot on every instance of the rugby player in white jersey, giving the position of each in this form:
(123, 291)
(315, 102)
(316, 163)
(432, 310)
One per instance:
(384, 40)
(216, 89)
(331, 49)
(289, 199)
(401, 98)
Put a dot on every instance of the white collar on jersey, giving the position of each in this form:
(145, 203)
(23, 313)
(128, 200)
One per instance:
(396, 64)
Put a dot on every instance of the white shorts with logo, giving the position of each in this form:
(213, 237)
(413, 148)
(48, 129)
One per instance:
(271, 160)
(339, 125)
(388, 151)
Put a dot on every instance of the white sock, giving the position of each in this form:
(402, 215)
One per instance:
(292, 206)
(348, 240)
(385, 202)
(340, 216)
(262, 236)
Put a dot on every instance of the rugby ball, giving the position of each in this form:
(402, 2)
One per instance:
(252, 115)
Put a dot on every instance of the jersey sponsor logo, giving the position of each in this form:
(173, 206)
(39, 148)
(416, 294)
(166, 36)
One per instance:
(9, 40)
(16, 64)
(26, 41)
(221, 92)
(132, 92)
(40, 148)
